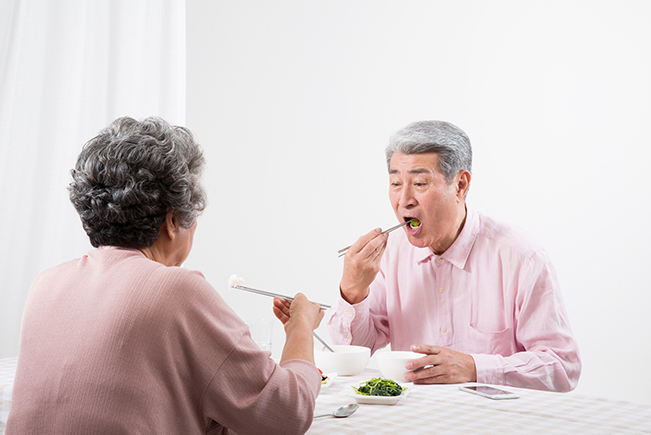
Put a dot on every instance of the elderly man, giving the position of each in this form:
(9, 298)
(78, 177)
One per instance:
(478, 298)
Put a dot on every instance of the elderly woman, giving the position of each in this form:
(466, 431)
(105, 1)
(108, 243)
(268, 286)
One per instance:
(123, 340)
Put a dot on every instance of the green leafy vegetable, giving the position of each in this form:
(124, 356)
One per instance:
(379, 387)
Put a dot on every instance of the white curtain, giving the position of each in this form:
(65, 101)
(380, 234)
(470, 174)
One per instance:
(67, 69)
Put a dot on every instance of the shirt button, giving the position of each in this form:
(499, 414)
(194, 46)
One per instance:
(442, 290)
(444, 329)
(438, 260)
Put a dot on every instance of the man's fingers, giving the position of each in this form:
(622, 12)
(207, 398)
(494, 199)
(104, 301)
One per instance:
(427, 349)
(423, 374)
(433, 374)
(375, 247)
(441, 366)
(430, 357)
(438, 378)
(363, 242)
(426, 361)
(380, 251)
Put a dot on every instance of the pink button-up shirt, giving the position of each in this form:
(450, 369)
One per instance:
(493, 294)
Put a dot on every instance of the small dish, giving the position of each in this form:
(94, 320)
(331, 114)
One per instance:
(380, 400)
(330, 378)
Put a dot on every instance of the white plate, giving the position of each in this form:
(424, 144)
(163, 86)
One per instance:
(379, 400)
(331, 378)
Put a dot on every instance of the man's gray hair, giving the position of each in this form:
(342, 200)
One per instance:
(131, 175)
(447, 140)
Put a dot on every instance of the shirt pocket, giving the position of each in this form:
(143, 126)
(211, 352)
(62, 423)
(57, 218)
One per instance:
(488, 316)
(488, 310)
(491, 342)
(490, 331)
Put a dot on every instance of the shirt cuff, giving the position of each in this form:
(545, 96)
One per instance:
(490, 369)
(343, 315)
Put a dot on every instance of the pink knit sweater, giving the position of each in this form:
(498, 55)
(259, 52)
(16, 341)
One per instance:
(116, 343)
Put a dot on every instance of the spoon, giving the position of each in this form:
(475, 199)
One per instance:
(341, 412)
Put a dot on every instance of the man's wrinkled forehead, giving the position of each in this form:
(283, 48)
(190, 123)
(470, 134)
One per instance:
(425, 163)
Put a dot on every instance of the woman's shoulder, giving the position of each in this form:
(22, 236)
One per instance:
(158, 280)
(125, 261)
(180, 282)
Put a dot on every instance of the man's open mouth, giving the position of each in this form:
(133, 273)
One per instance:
(413, 222)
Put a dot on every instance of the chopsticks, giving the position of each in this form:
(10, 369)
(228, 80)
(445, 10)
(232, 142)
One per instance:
(266, 293)
(233, 284)
(322, 342)
(344, 250)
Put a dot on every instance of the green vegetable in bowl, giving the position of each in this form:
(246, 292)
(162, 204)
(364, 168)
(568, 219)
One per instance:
(380, 387)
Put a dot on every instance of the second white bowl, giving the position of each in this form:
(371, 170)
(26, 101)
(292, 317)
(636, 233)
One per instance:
(392, 364)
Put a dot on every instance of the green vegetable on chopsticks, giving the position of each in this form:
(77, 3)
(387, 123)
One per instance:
(379, 387)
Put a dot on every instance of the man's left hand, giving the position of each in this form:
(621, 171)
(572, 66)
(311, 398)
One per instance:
(441, 366)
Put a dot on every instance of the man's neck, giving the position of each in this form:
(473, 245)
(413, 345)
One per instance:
(461, 221)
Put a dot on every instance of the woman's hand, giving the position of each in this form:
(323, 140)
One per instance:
(301, 309)
(300, 318)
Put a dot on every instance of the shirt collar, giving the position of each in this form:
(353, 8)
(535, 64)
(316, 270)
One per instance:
(457, 254)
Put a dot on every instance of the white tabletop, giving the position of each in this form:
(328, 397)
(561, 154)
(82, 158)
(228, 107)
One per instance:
(446, 409)
(7, 372)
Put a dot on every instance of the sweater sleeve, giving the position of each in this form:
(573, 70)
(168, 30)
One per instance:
(250, 393)
(243, 389)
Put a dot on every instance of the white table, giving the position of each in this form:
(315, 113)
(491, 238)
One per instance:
(7, 372)
(445, 409)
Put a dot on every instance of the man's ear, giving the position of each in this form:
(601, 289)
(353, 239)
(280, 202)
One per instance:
(462, 184)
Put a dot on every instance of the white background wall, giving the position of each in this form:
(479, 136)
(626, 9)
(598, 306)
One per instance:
(294, 101)
(67, 69)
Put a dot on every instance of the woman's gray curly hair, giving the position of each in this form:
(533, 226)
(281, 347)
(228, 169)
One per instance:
(130, 175)
(447, 140)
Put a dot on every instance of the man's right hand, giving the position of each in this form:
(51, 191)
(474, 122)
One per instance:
(361, 265)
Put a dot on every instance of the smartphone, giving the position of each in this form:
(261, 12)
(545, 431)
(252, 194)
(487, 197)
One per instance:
(490, 392)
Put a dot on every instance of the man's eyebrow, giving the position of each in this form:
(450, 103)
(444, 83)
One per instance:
(413, 171)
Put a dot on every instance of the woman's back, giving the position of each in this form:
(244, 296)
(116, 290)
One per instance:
(125, 340)
(116, 342)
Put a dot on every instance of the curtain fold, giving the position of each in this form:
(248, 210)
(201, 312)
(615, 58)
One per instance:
(67, 69)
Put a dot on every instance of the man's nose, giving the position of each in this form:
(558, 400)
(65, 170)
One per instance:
(407, 199)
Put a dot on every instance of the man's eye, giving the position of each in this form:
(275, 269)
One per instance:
(420, 184)
(394, 184)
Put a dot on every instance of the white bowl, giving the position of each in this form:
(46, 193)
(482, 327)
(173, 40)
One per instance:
(392, 364)
(345, 360)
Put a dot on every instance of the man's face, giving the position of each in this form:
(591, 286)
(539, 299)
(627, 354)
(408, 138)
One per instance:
(419, 190)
